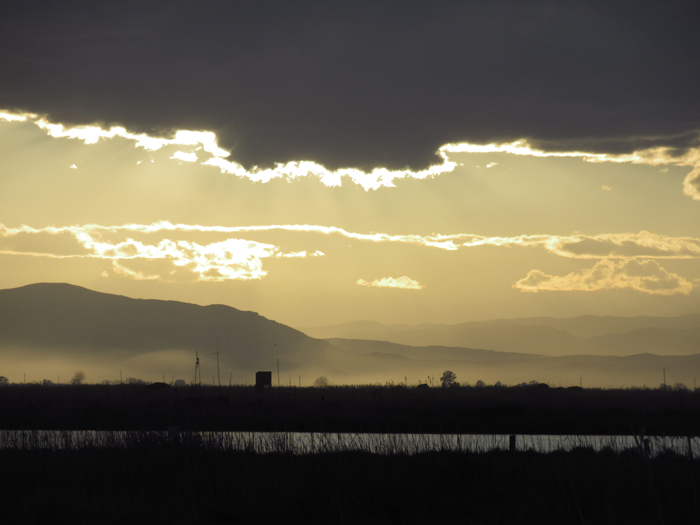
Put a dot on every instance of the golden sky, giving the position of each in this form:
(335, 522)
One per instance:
(490, 231)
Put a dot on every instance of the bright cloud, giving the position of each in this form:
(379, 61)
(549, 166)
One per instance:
(230, 259)
(642, 276)
(390, 282)
(241, 259)
(12, 117)
(609, 245)
(185, 157)
(691, 184)
(377, 178)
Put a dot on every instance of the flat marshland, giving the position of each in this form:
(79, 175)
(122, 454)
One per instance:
(534, 409)
(145, 476)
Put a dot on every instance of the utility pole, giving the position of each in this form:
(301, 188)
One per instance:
(278, 372)
(196, 366)
(217, 364)
(664, 379)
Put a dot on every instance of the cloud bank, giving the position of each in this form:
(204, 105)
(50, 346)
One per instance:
(362, 84)
(167, 260)
(642, 276)
(627, 260)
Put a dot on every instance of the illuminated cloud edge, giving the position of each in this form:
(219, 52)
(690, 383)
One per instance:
(206, 143)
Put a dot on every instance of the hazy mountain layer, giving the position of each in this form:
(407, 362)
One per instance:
(540, 335)
(425, 364)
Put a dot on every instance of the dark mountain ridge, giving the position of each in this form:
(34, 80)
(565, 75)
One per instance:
(54, 315)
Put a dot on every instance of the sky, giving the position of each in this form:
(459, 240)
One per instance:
(328, 162)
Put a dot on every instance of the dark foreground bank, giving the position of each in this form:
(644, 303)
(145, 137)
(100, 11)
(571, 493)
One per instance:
(533, 409)
(157, 482)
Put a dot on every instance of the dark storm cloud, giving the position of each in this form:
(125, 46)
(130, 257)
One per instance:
(362, 84)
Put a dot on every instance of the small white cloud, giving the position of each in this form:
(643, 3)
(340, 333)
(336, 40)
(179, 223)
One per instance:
(185, 157)
(301, 254)
(607, 188)
(118, 269)
(492, 164)
(389, 282)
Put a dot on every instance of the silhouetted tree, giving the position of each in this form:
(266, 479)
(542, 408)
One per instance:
(321, 381)
(480, 383)
(449, 379)
(78, 378)
(4, 381)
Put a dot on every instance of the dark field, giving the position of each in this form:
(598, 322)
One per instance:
(150, 479)
(462, 410)
(158, 482)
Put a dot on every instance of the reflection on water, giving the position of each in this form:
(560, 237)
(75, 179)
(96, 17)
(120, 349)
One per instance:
(312, 443)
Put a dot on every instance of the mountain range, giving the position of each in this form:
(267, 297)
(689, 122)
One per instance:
(588, 334)
(49, 330)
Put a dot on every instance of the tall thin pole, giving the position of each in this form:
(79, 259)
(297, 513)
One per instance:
(278, 372)
(217, 364)
(664, 379)
(196, 366)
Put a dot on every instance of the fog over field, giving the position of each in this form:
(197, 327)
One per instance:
(49, 331)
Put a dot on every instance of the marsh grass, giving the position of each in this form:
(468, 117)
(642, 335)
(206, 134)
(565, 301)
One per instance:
(330, 443)
(153, 480)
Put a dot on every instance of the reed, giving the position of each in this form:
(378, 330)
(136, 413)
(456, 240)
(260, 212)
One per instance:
(222, 478)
